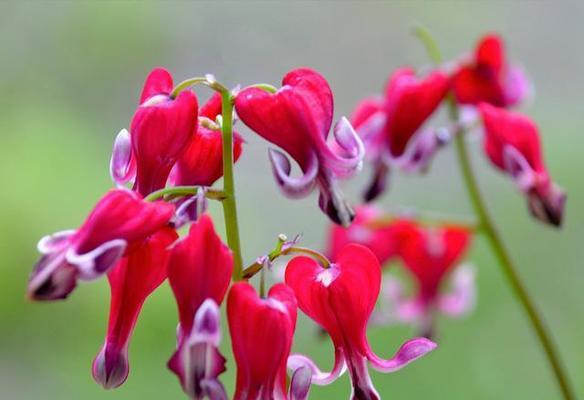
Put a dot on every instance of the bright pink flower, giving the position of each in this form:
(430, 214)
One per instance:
(341, 299)
(512, 144)
(131, 281)
(487, 77)
(118, 221)
(199, 271)
(202, 162)
(380, 239)
(297, 118)
(261, 331)
(430, 254)
(160, 132)
(391, 127)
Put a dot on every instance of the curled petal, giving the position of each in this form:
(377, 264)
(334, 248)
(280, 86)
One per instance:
(369, 120)
(517, 87)
(122, 162)
(300, 383)
(318, 377)
(350, 150)
(52, 278)
(408, 352)
(547, 204)
(332, 202)
(293, 187)
(462, 298)
(420, 150)
(190, 209)
(519, 169)
(95, 263)
(52, 243)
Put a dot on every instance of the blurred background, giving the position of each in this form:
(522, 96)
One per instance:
(70, 77)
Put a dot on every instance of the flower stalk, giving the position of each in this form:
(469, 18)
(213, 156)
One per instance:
(489, 229)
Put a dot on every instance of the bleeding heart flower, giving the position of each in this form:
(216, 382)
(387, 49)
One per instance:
(160, 132)
(430, 255)
(487, 77)
(380, 239)
(391, 127)
(261, 331)
(118, 221)
(297, 118)
(512, 144)
(199, 272)
(131, 281)
(202, 162)
(341, 299)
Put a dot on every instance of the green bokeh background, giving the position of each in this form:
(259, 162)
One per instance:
(70, 76)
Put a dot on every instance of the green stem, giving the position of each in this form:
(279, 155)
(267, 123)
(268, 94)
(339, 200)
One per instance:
(178, 191)
(229, 203)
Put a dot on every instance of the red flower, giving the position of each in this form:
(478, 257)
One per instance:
(118, 221)
(430, 254)
(341, 299)
(199, 271)
(512, 144)
(202, 162)
(261, 333)
(380, 239)
(131, 281)
(487, 77)
(161, 130)
(391, 126)
(297, 118)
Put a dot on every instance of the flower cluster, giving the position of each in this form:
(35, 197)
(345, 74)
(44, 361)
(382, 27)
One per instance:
(165, 168)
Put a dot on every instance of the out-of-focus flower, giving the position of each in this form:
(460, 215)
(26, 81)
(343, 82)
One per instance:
(430, 255)
(381, 239)
(513, 145)
(297, 118)
(199, 272)
(118, 221)
(131, 281)
(340, 299)
(160, 132)
(392, 126)
(486, 76)
(261, 331)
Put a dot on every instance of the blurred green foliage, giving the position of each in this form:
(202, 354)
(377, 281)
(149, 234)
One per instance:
(70, 76)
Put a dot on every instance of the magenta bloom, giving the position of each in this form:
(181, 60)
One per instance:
(202, 162)
(391, 126)
(430, 255)
(297, 118)
(131, 281)
(118, 221)
(341, 299)
(380, 239)
(487, 77)
(160, 132)
(512, 144)
(261, 331)
(199, 272)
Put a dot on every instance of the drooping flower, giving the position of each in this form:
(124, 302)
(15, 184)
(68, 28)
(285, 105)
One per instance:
(392, 126)
(486, 76)
(261, 331)
(297, 118)
(340, 299)
(199, 272)
(202, 162)
(379, 238)
(513, 145)
(160, 132)
(431, 255)
(118, 221)
(131, 281)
